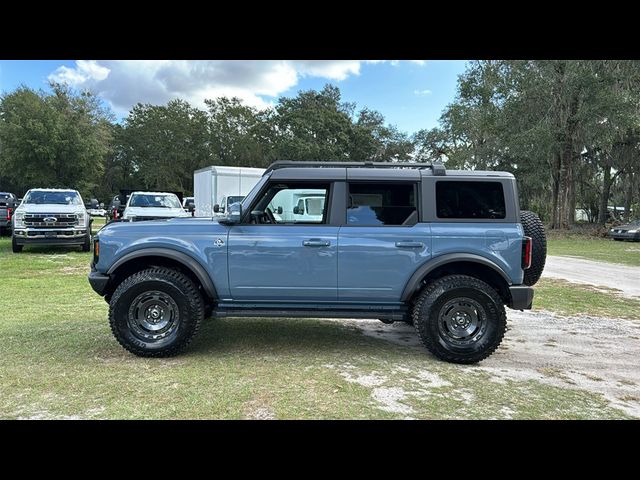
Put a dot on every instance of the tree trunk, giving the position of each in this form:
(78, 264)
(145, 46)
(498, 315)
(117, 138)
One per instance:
(604, 196)
(628, 198)
(566, 192)
(555, 194)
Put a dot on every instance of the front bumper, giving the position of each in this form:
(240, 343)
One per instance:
(521, 297)
(625, 236)
(98, 281)
(50, 236)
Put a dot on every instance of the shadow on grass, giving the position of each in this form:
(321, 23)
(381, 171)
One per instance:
(288, 336)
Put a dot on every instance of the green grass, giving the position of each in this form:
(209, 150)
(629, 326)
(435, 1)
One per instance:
(58, 359)
(593, 248)
(568, 298)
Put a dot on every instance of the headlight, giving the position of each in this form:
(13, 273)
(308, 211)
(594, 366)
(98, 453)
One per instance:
(82, 217)
(18, 219)
(633, 231)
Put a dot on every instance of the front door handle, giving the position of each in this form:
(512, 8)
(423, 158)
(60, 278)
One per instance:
(316, 242)
(409, 244)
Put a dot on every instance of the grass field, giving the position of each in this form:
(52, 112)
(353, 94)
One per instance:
(593, 248)
(58, 359)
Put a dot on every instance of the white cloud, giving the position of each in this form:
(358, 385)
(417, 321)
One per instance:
(123, 83)
(422, 92)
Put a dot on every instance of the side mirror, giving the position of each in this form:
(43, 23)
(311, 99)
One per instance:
(216, 208)
(191, 206)
(279, 211)
(298, 210)
(234, 216)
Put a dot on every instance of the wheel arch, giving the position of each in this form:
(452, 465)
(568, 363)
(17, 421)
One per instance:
(141, 259)
(459, 263)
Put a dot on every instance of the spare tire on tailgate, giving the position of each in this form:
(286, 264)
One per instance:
(533, 228)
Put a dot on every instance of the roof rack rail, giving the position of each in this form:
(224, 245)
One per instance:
(437, 168)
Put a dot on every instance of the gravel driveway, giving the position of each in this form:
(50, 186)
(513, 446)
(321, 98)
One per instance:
(594, 354)
(610, 275)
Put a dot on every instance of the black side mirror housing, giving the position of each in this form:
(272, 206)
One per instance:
(216, 208)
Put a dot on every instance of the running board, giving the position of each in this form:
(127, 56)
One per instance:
(394, 315)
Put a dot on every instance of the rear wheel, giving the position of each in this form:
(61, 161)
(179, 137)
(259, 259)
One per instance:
(156, 312)
(460, 319)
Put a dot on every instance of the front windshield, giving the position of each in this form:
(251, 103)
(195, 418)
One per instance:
(155, 201)
(52, 198)
(635, 223)
(232, 200)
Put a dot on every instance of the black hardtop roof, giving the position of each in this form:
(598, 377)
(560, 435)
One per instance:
(390, 168)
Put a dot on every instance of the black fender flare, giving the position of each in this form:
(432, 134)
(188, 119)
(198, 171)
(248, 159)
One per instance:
(414, 282)
(187, 261)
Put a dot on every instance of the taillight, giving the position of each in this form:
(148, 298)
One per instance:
(527, 245)
(9, 212)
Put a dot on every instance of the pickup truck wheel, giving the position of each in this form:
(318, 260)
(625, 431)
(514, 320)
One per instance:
(14, 246)
(156, 312)
(86, 247)
(460, 319)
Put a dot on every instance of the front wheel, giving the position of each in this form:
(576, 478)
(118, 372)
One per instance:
(460, 319)
(156, 312)
(15, 248)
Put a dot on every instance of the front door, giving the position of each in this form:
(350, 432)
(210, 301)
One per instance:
(284, 252)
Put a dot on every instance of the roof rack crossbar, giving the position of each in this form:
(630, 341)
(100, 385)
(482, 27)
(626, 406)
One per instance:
(437, 168)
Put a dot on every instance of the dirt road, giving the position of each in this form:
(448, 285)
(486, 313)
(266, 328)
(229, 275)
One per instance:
(622, 277)
(597, 355)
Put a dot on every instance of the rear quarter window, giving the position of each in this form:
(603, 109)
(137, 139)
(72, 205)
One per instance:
(472, 200)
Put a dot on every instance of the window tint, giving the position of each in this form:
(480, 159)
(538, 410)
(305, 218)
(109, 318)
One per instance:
(380, 204)
(296, 203)
(470, 200)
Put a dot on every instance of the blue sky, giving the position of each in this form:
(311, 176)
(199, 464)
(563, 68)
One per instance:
(410, 94)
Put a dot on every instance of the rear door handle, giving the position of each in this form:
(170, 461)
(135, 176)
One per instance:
(409, 244)
(316, 242)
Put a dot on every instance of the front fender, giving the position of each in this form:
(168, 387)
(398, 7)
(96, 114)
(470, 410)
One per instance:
(189, 262)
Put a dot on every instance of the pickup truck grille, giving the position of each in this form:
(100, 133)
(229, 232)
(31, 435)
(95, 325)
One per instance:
(43, 220)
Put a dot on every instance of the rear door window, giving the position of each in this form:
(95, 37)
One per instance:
(382, 204)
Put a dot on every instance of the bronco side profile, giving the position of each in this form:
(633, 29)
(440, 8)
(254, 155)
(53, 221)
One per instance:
(444, 250)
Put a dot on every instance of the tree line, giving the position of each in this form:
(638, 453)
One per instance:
(568, 130)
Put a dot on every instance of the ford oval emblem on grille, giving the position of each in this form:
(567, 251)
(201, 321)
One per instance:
(50, 219)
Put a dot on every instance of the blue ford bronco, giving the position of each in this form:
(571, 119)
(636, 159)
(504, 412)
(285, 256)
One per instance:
(441, 249)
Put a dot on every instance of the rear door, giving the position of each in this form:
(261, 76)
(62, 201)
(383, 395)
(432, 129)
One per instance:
(382, 241)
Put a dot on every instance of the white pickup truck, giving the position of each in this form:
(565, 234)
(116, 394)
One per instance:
(51, 216)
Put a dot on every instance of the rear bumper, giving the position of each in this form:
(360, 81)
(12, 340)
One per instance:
(98, 282)
(521, 297)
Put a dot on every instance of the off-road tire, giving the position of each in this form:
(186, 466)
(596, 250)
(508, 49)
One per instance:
(15, 248)
(533, 228)
(432, 300)
(183, 292)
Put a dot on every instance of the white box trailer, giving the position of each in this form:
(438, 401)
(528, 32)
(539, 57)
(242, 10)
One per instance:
(212, 184)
